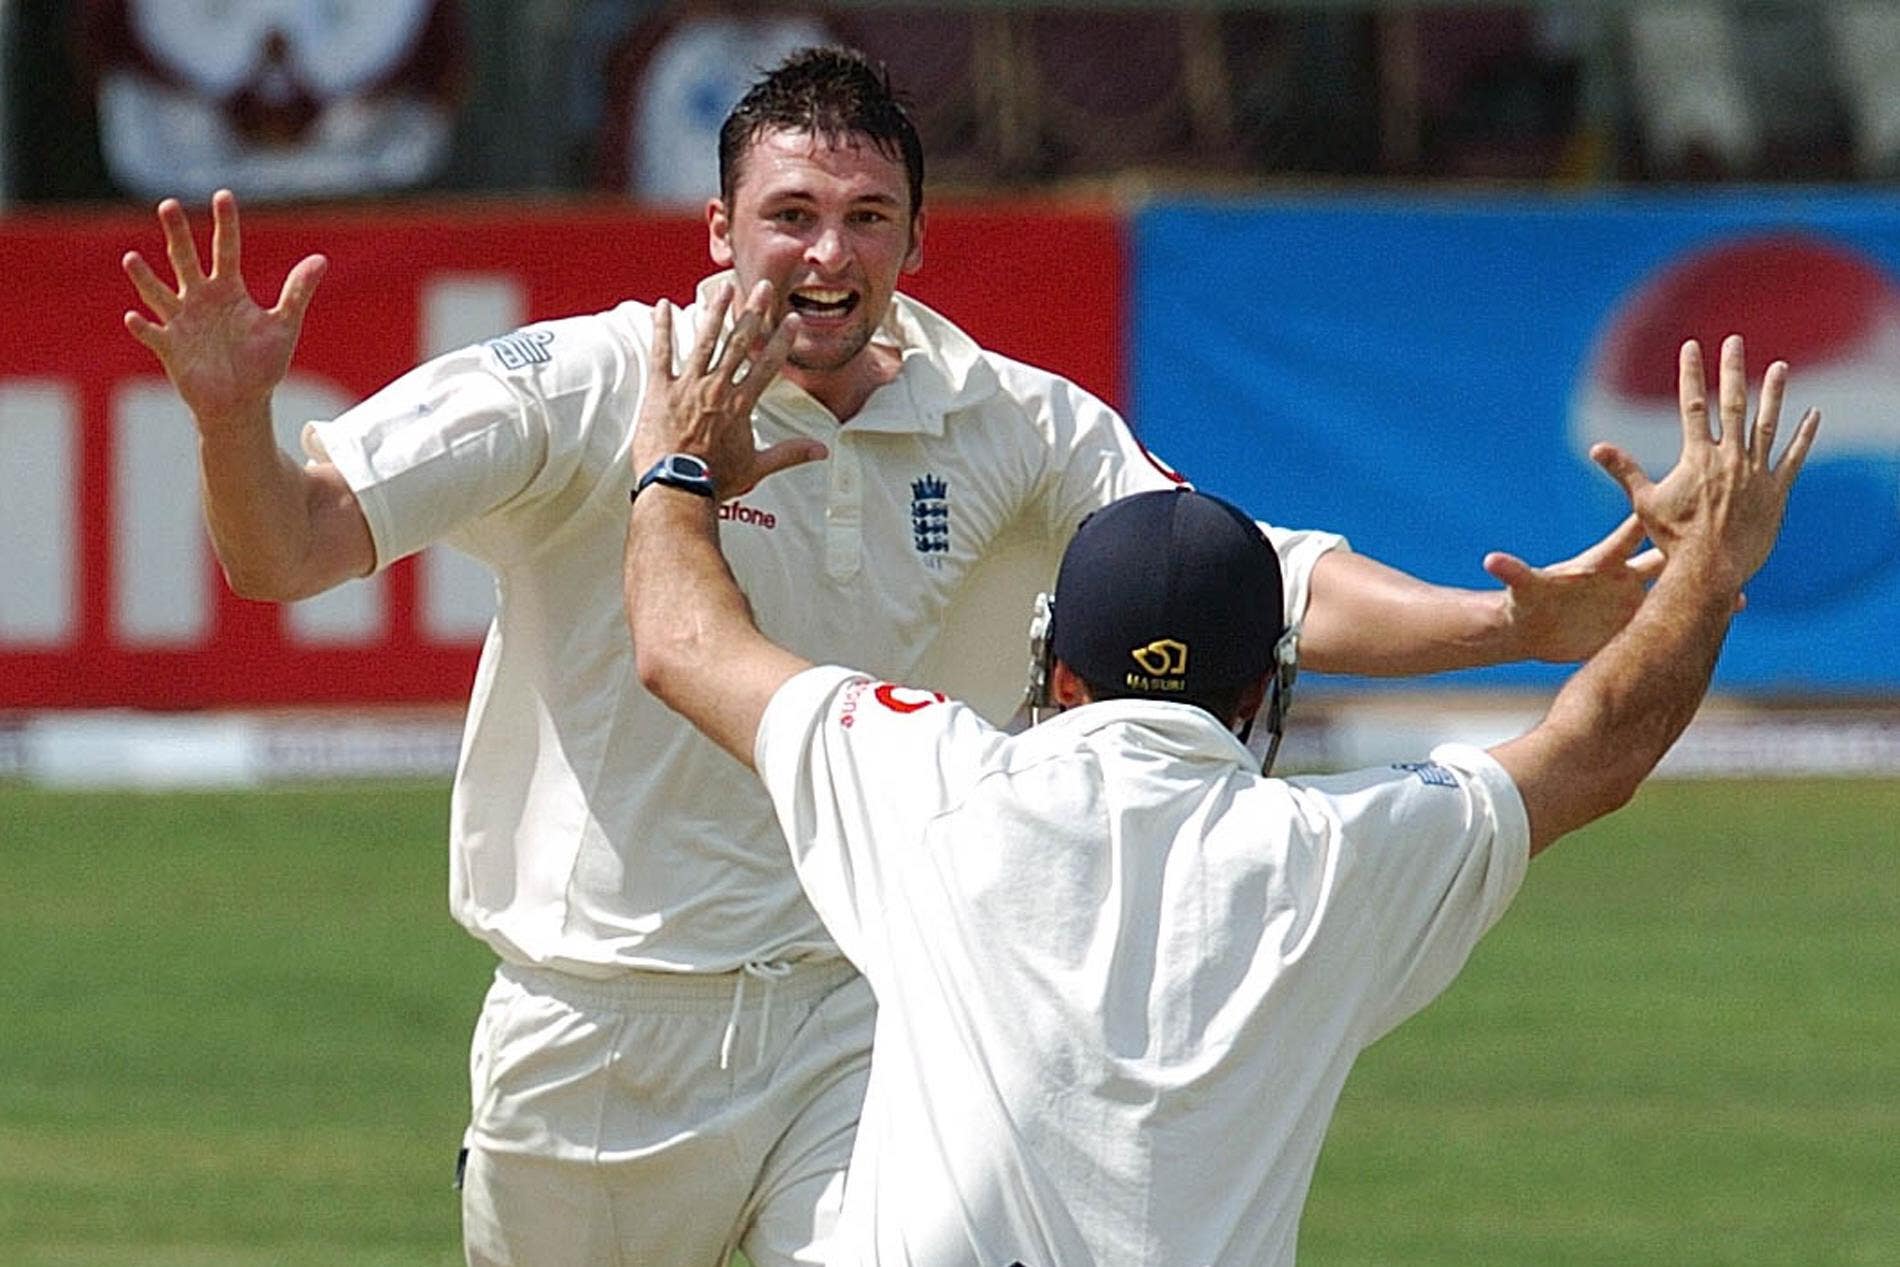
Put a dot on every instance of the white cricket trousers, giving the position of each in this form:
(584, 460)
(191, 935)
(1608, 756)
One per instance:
(663, 1119)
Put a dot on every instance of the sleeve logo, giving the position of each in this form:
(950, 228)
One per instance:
(1429, 773)
(521, 349)
(905, 699)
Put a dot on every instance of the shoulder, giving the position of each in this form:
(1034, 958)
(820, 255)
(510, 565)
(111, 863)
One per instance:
(861, 720)
(1038, 390)
(1034, 411)
(976, 378)
(564, 354)
(1460, 797)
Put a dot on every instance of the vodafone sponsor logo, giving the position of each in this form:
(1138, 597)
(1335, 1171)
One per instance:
(905, 699)
(738, 512)
(853, 696)
(1834, 315)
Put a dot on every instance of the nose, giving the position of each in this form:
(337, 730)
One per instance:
(827, 250)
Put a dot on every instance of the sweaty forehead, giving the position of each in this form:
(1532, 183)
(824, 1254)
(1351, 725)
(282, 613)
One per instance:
(781, 162)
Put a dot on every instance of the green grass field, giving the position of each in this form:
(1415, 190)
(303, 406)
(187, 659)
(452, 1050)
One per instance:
(232, 1031)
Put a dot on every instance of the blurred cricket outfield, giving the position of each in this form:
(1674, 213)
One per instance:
(233, 1031)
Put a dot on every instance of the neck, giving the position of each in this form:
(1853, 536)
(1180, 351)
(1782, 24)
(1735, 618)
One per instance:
(843, 391)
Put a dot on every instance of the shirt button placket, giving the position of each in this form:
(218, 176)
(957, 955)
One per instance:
(844, 513)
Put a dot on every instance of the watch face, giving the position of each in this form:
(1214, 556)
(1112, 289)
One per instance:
(679, 470)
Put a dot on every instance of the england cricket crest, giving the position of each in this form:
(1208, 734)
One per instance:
(930, 517)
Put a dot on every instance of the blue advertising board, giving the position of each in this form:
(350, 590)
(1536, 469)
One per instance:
(1428, 376)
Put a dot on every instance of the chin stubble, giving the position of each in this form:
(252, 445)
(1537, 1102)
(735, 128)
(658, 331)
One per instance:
(858, 341)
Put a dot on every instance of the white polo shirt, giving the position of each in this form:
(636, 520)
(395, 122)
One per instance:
(1121, 977)
(592, 829)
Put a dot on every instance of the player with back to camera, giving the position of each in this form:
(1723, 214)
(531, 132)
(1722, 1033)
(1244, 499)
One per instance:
(670, 1060)
(1121, 973)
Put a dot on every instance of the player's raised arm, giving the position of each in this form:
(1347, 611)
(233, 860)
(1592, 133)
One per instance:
(1715, 517)
(1365, 617)
(281, 531)
(694, 641)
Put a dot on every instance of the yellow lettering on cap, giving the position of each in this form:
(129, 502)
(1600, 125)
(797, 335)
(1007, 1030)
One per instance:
(1136, 682)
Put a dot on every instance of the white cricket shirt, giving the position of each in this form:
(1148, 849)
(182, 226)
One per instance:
(592, 829)
(1121, 977)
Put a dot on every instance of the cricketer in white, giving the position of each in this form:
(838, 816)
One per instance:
(1111, 958)
(669, 1061)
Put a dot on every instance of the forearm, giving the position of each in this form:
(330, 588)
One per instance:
(1714, 518)
(1364, 617)
(281, 531)
(1617, 717)
(695, 644)
(254, 503)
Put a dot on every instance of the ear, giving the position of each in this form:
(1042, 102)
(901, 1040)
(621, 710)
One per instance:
(718, 233)
(914, 258)
(1251, 699)
(1066, 687)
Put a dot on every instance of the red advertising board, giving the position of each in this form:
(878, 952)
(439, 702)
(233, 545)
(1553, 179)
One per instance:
(109, 595)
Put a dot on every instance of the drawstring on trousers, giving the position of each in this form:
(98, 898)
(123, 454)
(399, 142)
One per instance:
(768, 971)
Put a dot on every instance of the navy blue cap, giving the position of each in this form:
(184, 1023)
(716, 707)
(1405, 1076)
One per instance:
(1167, 595)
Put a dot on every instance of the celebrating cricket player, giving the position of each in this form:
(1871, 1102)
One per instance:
(1122, 974)
(670, 1059)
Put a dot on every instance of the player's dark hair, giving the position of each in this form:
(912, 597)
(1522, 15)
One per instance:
(835, 94)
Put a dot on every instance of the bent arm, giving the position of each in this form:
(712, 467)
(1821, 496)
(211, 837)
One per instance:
(1715, 517)
(694, 643)
(1365, 617)
(281, 530)
(1617, 717)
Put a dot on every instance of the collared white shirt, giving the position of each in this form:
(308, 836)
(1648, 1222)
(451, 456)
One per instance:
(593, 830)
(1121, 976)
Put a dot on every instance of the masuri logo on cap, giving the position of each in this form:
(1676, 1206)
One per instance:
(1163, 666)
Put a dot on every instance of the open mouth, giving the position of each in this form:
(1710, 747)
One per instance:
(819, 302)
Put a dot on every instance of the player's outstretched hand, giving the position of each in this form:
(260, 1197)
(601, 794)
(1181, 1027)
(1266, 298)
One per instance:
(223, 353)
(1723, 501)
(705, 409)
(1566, 611)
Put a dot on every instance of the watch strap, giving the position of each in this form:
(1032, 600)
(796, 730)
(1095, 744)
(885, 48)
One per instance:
(678, 470)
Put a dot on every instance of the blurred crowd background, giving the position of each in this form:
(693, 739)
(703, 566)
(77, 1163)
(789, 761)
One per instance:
(105, 100)
(463, 161)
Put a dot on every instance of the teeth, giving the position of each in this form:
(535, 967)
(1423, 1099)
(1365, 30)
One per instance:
(823, 296)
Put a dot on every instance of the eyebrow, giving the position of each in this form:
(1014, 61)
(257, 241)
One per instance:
(804, 195)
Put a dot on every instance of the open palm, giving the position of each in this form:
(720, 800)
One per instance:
(223, 353)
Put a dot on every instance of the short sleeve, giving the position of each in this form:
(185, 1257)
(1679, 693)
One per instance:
(1299, 550)
(499, 424)
(1103, 461)
(1431, 854)
(441, 445)
(856, 770)
(1096, 460)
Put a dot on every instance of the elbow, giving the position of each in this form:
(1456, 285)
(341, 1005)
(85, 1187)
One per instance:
(1614, 795)
(659, 667)
(289, 578)
(261, 585)
(1555, 813)
(650, 668)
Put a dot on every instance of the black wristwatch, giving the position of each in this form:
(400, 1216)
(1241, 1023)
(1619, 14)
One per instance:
(678, 470)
